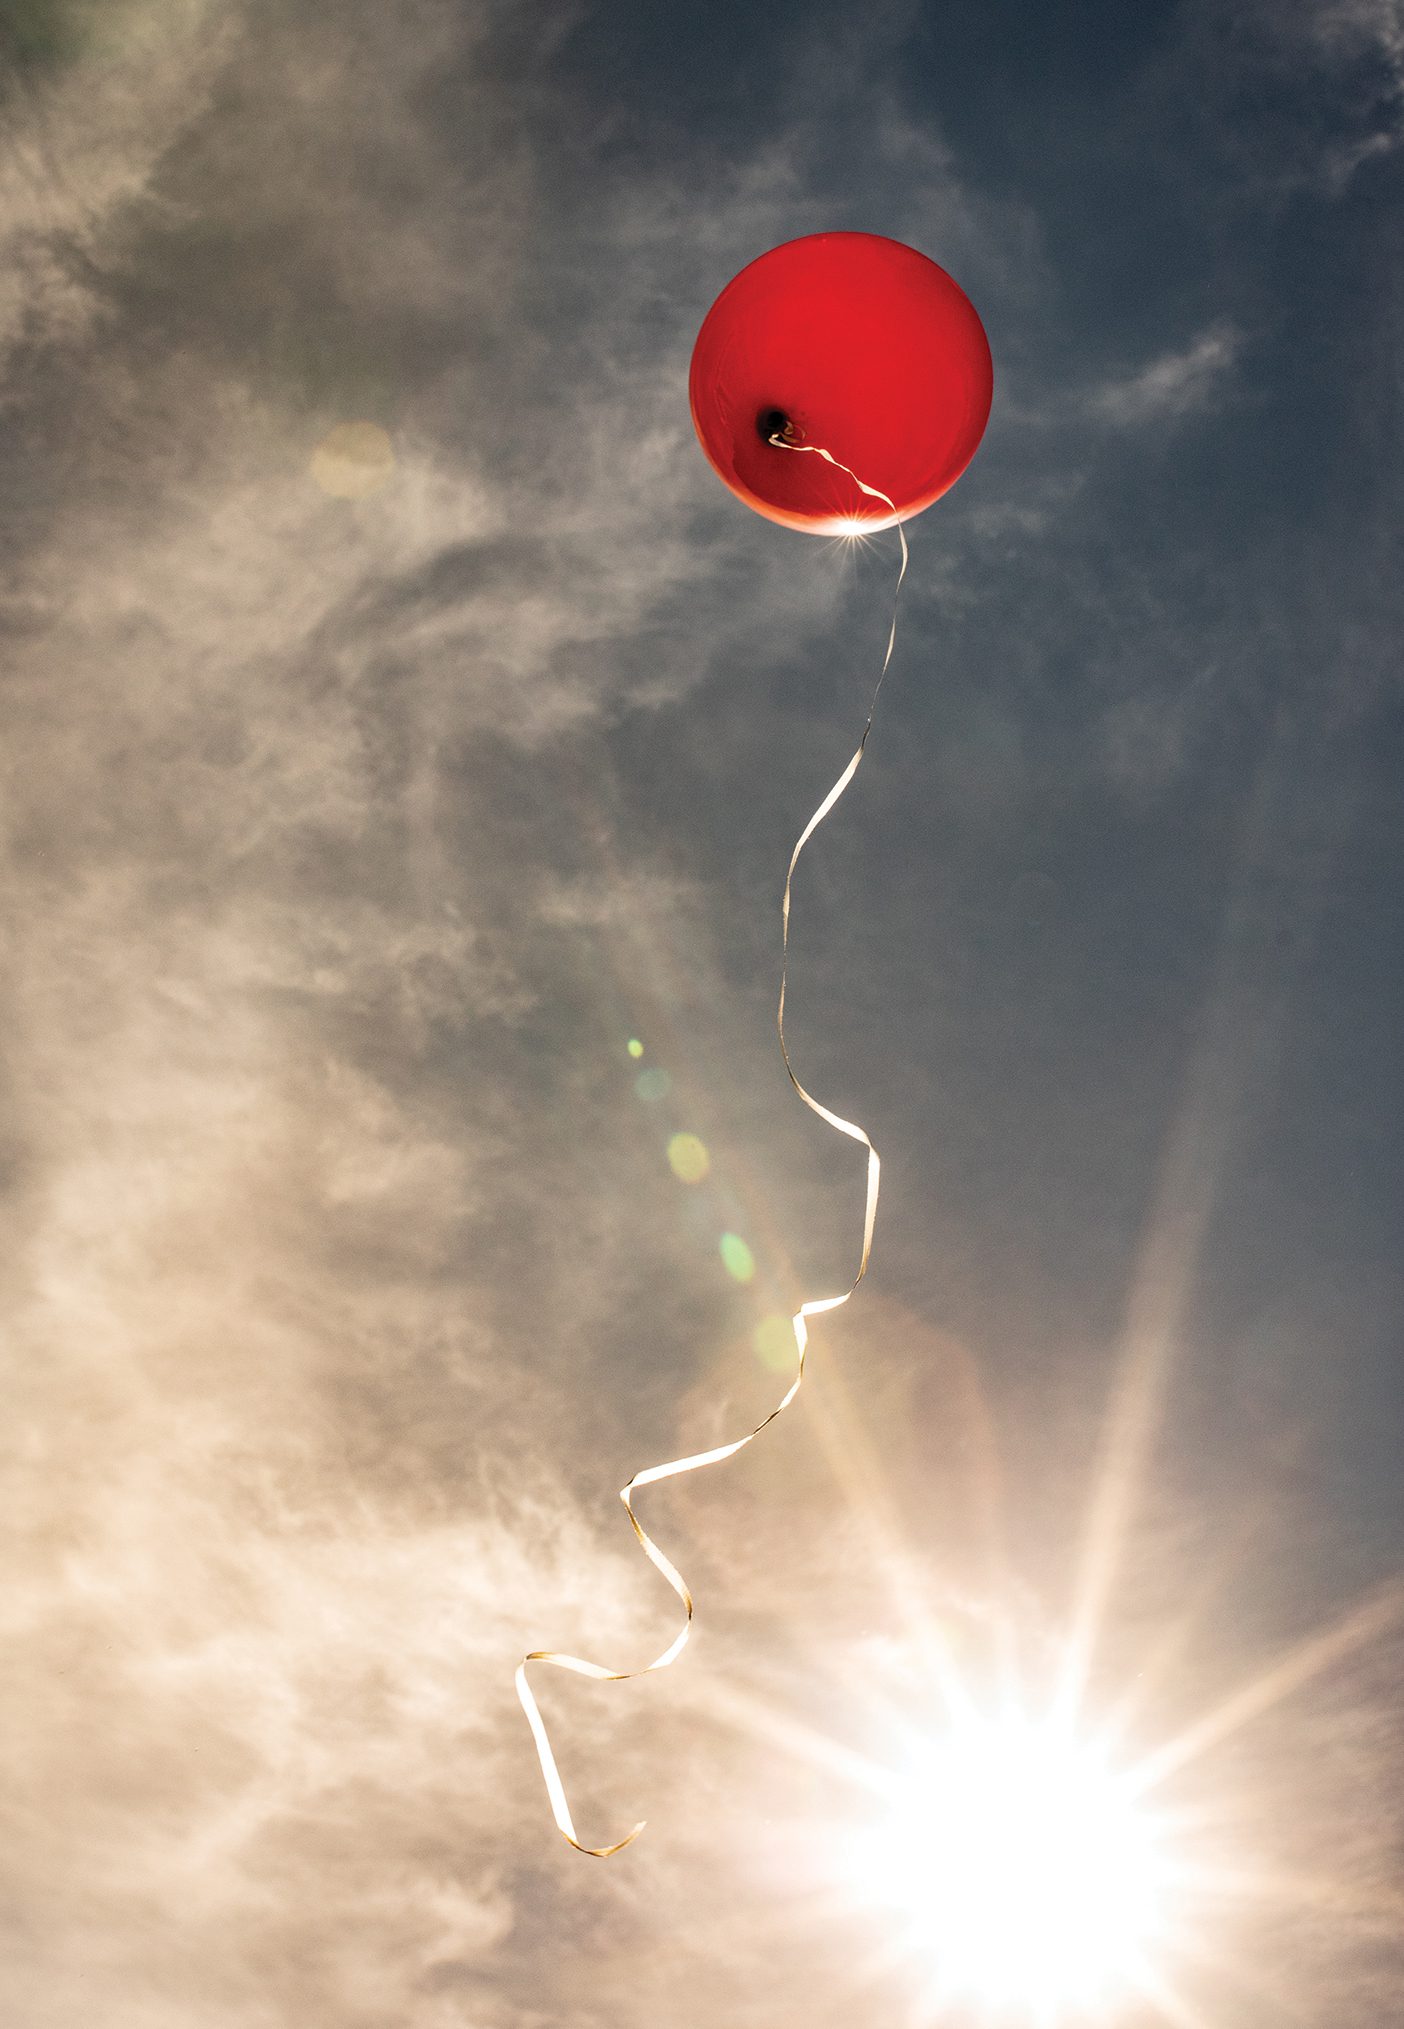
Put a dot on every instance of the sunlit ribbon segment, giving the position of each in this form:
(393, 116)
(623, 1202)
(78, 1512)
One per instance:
(650, 1475)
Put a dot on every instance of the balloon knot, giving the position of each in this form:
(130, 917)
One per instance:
(773, 423)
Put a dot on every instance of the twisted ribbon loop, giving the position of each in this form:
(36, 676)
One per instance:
(650, 1475)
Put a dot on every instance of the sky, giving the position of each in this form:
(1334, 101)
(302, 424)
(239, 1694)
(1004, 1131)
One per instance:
(399, 719)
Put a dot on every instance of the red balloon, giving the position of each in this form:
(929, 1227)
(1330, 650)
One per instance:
(851, 342)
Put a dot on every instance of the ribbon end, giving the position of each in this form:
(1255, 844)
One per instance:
(605, 1852)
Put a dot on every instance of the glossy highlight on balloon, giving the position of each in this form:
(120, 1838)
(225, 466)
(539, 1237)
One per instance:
(853, 342)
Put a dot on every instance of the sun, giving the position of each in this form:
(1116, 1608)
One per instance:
(1022, 1867)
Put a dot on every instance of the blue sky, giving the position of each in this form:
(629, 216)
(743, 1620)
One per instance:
(365, 795)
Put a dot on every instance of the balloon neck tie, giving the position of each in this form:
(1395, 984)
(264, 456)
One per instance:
(775, 427)
(799, 1322)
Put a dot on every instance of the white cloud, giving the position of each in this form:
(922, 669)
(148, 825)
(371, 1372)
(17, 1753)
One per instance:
(1176, 384)
(1351, 53)
(1376, 27)
(83, 142)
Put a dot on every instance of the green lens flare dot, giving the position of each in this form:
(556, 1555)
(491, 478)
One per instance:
(773, 1342)
(688, 1158)
(737, 1258)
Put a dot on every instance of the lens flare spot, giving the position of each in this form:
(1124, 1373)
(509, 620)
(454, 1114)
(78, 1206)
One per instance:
(634, 1047)
(737, 1258)
(773, 1342)
(353, 461)
(653, 1083)
(688, 1158)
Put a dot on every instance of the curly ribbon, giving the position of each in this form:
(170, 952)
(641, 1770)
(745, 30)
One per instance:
(650, 1475)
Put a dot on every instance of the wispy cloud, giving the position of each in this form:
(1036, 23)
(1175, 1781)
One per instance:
(1338, 68)
(1373, 30)
(84, 138)
(1176, 384)
(311, 1274)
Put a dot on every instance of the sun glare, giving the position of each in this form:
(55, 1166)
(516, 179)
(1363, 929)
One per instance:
(1028, 1876)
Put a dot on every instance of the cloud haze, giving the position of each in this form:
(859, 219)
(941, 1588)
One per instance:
(349, 839)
